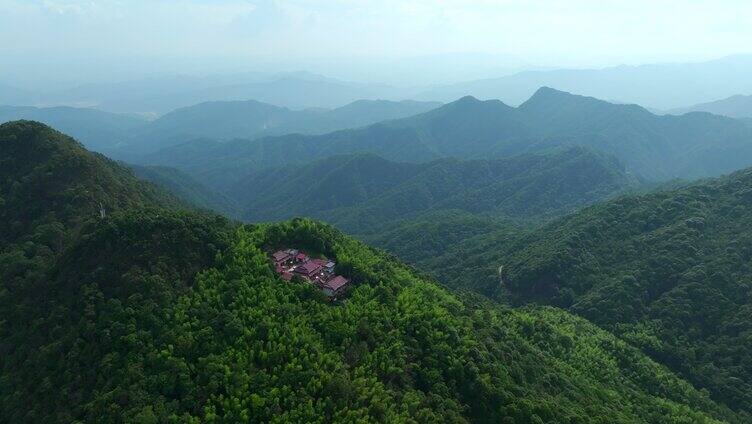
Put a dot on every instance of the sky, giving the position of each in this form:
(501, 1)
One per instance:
(391, 41)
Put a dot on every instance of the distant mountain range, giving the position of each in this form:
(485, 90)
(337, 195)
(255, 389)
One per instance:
(651, 146)
(159, 95)
(655, 86)
(122, 135)
(660, 86)
(96, 129)
(251, 119)
(738, 106)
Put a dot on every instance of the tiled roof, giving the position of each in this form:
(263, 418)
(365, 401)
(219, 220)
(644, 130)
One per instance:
(308, 267)
(336, 283)
(319, 262)
(280, 256)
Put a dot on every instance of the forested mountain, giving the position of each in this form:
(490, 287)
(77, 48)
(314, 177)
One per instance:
(668, 271)
(153, 315)
(413, 138)
(361, 193)
(654, 147)
(252, 119)
(422, 238)
(96, 129)
(737, 106)
(50, 181)
(188, 189)
(696, 145)
(662, 86)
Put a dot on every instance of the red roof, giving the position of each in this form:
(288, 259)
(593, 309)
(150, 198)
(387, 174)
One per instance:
(302, 256)
(336, 283)
(319, 262)
(308, 268)
(280, 256)
(287, 276)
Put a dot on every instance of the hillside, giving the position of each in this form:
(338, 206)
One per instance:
(697, 145)
(737, 106)
(50, 188)
(422, 238)
(667, 271)
(153, 315)
(97, 130)
(362, 192)
(651, 146)
(400, 349)
(187, 189)
(49, 179)
(252, 119)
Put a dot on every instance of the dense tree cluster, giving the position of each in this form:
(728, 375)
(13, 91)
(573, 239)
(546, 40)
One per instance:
(146, 342)
(668, 271)
(363, 193)
(187, 189)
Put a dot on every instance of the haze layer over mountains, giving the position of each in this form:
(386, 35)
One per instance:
(660, 86)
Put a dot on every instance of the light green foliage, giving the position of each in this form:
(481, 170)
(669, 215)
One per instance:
(668, 271)
(239, 343)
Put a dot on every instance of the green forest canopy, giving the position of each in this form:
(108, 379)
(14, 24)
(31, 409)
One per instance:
(668, 272)
(153, 314)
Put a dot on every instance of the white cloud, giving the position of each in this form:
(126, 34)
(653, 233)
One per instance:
(237, 33)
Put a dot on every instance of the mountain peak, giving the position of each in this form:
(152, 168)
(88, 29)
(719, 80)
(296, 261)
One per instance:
(546, 98)
(473, 102)
(548, 93)
(468, 99)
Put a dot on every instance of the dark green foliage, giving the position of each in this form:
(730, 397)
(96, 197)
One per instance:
(48, 178)
(431, 234)
(240, 344)
(362, 193)
(84, 336)
(335, 182)
(187, 188)
(669, 272)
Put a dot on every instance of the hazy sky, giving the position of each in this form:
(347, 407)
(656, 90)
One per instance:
(360, 39)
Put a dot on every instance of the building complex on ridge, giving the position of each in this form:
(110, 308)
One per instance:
(320, 272)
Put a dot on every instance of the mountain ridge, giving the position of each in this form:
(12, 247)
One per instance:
(659, 86)
(667, 271)
(653, 147)
(363, 191)
(736, 106)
